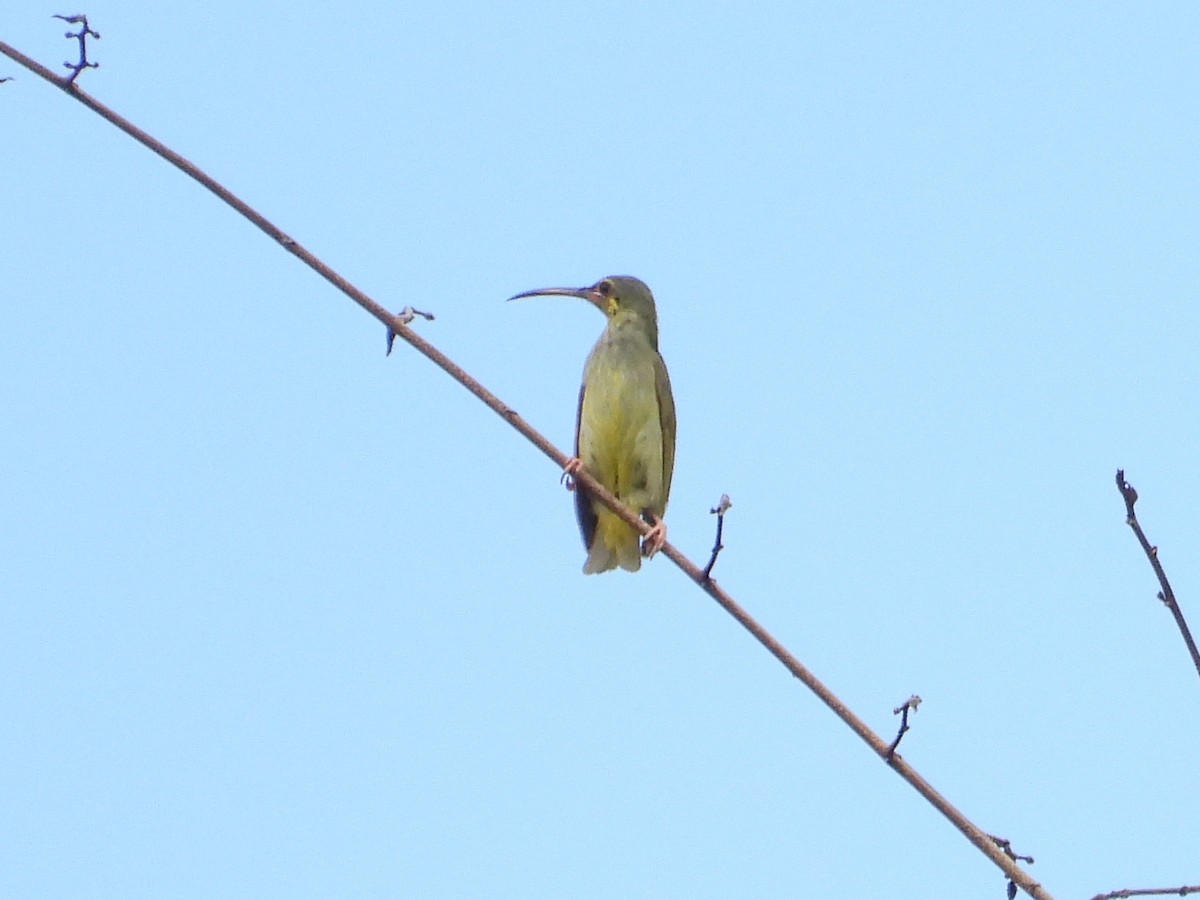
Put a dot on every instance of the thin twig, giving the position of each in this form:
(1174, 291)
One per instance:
(902, 711)
(1150, 892)
(971, 831)
(719, 511)
(1006, 845)
(81, 35)
(1166, 595)
(406, 316)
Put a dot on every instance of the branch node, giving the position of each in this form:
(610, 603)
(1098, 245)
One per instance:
(405, 316)
(81, 35)
(1006, 845)
(902, 711)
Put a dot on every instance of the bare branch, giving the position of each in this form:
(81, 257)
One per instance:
(396, 324)
(1166, 595)
(1150, 892)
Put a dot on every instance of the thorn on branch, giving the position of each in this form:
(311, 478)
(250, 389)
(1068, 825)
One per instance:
(6, 78)
(902, 711)
(81, 36)
(405, 316)
(719, 511)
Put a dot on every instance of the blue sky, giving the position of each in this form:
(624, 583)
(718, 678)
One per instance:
(284, 617)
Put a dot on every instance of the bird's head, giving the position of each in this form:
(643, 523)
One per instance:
(620, 297)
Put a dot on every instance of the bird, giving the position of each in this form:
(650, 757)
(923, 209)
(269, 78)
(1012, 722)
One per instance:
(625, 424)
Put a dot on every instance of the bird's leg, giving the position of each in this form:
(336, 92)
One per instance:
(574, 464)
(654, 541)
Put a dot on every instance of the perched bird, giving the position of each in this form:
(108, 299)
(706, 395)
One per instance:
(625, 427)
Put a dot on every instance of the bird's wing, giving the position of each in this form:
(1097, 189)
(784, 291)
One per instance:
(583, 503)
(666, 420)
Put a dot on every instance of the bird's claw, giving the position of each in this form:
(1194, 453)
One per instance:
(574, 464)
(656, 539)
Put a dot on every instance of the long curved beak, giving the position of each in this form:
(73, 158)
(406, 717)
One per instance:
(590, 294)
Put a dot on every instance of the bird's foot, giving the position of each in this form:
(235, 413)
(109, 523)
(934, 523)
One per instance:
(657, 537)
(574, 464)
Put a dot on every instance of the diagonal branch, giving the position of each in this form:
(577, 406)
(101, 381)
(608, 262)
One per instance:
(400, 328)
(1125, 893)
(1166, 595)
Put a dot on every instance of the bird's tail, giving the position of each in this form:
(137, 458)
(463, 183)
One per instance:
(614, 544)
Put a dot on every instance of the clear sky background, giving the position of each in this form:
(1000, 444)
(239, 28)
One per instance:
(283, 617)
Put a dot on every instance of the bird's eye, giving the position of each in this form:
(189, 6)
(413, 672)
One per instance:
(605, 288)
